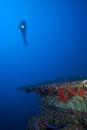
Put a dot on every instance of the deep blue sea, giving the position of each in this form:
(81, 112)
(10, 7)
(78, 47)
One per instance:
(57, 47)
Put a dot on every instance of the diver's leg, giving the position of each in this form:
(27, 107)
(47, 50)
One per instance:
(24, 37)
(25, 40)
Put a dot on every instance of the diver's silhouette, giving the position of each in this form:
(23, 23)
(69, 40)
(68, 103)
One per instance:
(22, 27)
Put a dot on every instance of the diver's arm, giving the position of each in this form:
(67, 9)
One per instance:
(19, 26)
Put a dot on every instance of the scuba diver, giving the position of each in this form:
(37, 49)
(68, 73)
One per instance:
(22, 27)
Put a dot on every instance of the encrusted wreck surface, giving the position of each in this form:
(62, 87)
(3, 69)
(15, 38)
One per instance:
(63, 105)
(51, 83)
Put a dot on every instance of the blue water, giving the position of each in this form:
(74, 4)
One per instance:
(57, 47)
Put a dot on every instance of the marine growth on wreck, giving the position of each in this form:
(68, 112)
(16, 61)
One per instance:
(63, 105)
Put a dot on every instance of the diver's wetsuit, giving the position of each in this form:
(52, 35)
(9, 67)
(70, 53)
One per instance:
(22, 28)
